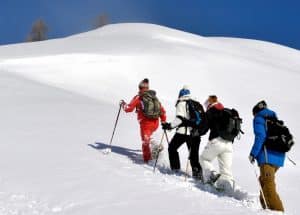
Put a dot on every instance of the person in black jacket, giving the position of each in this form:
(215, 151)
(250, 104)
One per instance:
(216, 147)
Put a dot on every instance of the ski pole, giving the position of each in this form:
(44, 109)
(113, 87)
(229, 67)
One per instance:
(161, 141)
(186, 169)
(293, 162)
(167, 138)
(187, 166)
(260, 187)
(115, 126)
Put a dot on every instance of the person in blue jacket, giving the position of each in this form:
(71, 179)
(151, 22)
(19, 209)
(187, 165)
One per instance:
(268, 161)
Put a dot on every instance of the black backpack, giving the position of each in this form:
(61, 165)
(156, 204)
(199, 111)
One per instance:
(198, 120)
(279, 137)
(151, 106)
(230, 124)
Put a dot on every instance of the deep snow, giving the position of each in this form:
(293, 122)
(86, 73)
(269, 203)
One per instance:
(59, 99)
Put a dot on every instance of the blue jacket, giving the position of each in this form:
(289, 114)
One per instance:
(259, 152)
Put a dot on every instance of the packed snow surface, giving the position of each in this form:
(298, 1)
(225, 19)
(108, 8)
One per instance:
(59, 100)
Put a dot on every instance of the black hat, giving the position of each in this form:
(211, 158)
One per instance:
(259, 106)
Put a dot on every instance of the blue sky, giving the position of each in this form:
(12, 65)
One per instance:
(271, 20)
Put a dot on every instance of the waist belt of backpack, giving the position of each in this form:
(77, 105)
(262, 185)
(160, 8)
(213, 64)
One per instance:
(183, 120)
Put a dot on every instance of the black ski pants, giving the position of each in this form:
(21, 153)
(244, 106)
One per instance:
(193, 144)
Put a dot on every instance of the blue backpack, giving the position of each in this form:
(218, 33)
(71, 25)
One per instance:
(198, 120)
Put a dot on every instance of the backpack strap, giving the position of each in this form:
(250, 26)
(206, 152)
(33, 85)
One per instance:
(183, 119)
(190, 122)
(186, 110)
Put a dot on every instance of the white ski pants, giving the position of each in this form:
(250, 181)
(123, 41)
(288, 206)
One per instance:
(221, 149)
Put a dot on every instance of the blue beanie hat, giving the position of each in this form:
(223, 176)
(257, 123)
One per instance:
(184, 92)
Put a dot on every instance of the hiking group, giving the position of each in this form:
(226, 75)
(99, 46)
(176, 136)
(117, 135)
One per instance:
(272, 138)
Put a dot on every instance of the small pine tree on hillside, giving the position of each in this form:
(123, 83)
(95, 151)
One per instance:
(38, 32)
(101, 21)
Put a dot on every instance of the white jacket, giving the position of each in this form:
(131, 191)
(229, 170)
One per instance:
(181, 110)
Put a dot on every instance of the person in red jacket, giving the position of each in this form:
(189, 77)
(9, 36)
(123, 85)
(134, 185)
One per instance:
(147, 125)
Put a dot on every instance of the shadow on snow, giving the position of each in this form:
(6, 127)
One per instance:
(132, 154)
(135, 156)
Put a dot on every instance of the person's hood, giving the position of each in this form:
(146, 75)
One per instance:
(184, 98)
(216, 105)
(141, 91)
(266, 113)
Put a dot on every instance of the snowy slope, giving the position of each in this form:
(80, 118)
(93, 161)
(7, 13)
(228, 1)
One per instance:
(59, 99)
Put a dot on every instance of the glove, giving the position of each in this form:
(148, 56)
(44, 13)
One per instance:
(251, 159)
(122, 103)
(166, 126)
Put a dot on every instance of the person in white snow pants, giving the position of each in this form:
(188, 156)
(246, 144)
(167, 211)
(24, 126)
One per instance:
(216, 147)
(221, 149)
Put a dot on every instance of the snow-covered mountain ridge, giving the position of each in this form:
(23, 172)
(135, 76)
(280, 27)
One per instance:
(60, 97)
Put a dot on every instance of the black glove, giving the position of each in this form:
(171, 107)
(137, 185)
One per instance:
(251, 159)
(166, 126)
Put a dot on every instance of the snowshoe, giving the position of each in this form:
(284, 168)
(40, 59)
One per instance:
(177, 172)
(214, 176)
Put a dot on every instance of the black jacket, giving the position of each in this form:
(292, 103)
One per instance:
(214, 117)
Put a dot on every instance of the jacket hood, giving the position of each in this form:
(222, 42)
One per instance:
(141, 91)
(184, 98)
(216, 105)
(266, 113)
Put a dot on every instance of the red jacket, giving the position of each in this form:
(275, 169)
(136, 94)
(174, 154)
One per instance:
(135, 104)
